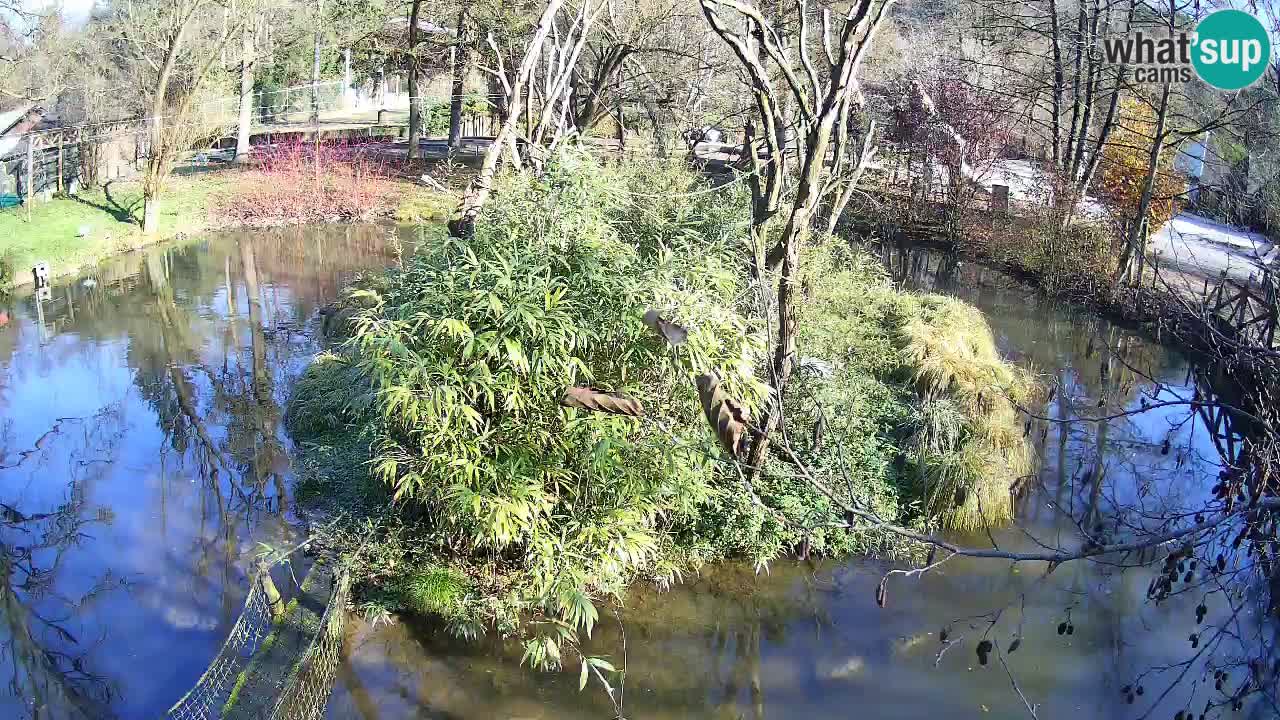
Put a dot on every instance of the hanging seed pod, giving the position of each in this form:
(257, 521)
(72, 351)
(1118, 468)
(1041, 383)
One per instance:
(1013, 646)
(1141, 690)
(1071, 629)
(1195, 640)
(1200, 612)
(667, 330)
(1164, 449)
(942, 634)
(728, 419)
(1027, 430)
(1187, 578)
(984, 649)
(1222, 562)
(599, 401)
(1062, 628)
(882, 591)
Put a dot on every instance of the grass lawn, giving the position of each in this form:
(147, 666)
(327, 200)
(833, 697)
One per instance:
(109, 218)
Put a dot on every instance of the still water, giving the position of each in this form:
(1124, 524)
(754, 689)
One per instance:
(142, 461)
(143, 466)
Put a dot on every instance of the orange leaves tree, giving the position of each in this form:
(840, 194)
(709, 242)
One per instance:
(1124, 170)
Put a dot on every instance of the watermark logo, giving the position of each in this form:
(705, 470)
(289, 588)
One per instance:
(1230, 50)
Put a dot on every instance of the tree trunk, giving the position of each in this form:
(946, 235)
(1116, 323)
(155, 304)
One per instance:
(478, 192)
(315, 71)
(1138, 232)
(415, 102)
(461, 59)
(246, 95)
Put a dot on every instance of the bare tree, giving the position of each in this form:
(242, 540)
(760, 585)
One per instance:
(172, 47)
(784, 78)
(459, 66)
(546, 68)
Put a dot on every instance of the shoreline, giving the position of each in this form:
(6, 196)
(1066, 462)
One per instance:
(192, 205)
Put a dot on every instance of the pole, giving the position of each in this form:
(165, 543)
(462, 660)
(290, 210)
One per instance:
(60, 163)
(31, 173)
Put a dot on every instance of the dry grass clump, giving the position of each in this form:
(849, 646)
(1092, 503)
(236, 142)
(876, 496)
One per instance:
(968, 445)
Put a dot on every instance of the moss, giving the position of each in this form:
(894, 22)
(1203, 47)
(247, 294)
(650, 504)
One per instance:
(234, 697)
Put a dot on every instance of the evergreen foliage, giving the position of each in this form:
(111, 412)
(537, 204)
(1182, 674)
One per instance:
(454, 366)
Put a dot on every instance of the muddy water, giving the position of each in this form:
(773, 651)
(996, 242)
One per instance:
(808, 641)
(143, 463)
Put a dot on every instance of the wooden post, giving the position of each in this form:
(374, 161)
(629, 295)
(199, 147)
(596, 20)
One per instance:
(59, 163)
(273, 595)
(31, 174)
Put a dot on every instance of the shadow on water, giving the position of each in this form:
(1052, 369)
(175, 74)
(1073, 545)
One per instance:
(808, 641)
(142, 460)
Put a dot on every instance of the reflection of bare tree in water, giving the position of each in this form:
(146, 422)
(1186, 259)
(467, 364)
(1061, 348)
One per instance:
(42, 649)
(269, 457)
(174, 394)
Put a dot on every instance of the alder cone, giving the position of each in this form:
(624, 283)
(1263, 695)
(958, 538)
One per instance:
(599, 401)
(728, 419)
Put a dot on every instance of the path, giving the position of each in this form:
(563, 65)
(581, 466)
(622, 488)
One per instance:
(1202, 247)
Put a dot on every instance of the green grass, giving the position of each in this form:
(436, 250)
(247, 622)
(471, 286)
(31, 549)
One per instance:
(111, 217)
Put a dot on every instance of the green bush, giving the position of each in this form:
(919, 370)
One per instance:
(455, 364)
(919, 397)
(469, 348)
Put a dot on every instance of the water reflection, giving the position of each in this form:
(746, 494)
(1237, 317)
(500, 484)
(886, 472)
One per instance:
(808, 641)
(142, 459)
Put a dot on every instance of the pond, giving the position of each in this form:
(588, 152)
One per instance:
(143, 467)
(143, 462)
(807, 640)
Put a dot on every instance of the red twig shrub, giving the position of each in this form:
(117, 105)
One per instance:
(298, 181)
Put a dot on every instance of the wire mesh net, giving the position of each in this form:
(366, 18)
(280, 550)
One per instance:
(306, 692)
(205, 699)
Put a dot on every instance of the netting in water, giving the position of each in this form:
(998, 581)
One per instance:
(205, 699)
(306, 692)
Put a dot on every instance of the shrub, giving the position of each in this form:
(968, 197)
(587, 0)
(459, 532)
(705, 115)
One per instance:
(917, 378)
(456, 364)
(301, 181)
(469, 349)
(1124, 169)
(968, 444)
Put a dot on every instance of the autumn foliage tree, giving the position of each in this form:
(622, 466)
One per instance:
(1124, 170)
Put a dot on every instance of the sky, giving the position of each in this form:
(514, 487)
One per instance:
(75, 11)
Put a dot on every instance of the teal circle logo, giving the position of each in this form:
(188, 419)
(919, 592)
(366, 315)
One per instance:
(1232, 49)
